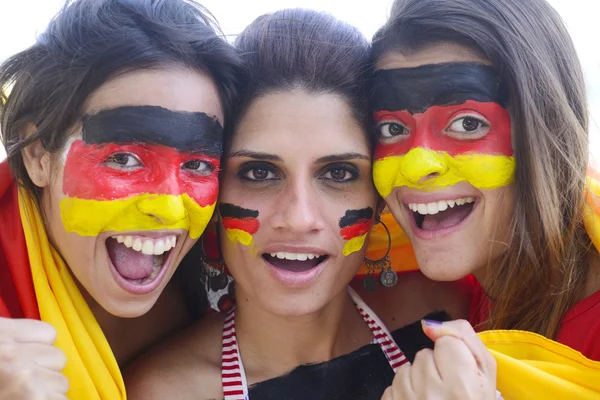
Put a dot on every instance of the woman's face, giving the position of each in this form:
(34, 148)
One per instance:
(297, 201)
(136, 184)
(444, 159)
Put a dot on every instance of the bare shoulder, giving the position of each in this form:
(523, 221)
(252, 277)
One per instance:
(415, 296)
(185, 366)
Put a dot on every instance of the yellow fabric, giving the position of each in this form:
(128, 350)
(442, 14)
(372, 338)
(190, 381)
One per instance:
(535, 368)
(91, 368)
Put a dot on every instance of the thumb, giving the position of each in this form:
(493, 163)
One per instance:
(436, 329)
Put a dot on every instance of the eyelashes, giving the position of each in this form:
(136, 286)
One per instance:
(465, 126)
(262, 172)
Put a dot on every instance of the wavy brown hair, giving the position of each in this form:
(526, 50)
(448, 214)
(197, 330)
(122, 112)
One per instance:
(543, 271)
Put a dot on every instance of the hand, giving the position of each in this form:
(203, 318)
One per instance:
(459, 367)
(30, 366)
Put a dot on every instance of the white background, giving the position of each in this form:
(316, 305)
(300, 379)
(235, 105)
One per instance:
(22, 20)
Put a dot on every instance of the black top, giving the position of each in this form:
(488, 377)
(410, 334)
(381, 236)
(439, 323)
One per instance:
(361, 375)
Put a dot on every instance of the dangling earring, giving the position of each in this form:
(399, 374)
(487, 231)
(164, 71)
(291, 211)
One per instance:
(388, 277)
(214, 269)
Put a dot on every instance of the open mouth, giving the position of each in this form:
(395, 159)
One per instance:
(294, 262)
(138, 259)
(441, 214)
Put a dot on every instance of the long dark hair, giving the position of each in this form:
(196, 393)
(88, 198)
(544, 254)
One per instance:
(91, 41)
(542, 273)
(304, 49)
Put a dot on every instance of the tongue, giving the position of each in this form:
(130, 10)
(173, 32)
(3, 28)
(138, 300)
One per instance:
(448, 218)
(129, 263)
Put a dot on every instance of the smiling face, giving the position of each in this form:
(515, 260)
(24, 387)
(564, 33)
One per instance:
(296, 201)
(136, 184)
(444, 160)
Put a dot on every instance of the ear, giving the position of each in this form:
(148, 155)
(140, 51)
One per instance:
(36, 159)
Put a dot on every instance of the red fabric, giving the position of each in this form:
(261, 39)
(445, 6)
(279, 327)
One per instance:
(579, 329)
(17, 296)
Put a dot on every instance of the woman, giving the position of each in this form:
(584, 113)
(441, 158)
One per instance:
(296, 203)
(481, 157)
(113, 128)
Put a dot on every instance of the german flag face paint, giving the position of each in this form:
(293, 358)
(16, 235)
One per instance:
(240, 223)
(354, 226)
(142, 168)
(444, 122)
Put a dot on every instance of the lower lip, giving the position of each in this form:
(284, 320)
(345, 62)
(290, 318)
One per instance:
(438, 233)
(140, 289)
(296, 279)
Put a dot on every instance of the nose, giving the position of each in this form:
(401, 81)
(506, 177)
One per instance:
(166, 209)
(420, 164)
(299, 209)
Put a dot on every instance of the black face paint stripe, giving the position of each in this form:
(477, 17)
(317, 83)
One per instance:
(185, 131)
(353, 216)
(231, 210)
(417, 89)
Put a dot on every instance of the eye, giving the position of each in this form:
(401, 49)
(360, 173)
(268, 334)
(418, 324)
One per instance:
(468, 127)
(391, 131)
(341, 173)
(258, 172)
(123, 161)
(199, 166)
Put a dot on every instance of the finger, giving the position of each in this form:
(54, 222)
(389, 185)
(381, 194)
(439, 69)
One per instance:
(402, 388)
(454, 360)
(388, 394)
(462, 330)
(425, 376)
(45, 356)
(48, 381)
(27, 331)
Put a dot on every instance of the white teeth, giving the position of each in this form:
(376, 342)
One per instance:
(442, 205)
(432, 208)
(147, 245)
(294, 256)
(159, 247)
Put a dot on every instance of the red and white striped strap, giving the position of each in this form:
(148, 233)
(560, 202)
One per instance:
(392, 352)
(233, 377)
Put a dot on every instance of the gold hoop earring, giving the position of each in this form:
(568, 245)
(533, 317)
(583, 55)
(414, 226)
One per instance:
(387, 277)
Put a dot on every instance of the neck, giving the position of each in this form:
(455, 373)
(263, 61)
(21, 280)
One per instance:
(128, 337)
(592, 283)
(272, 345)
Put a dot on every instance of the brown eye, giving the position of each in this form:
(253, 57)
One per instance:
(199, 166)
(470, 124)
(123, 161)
(260, 174)
(391, 129)
(338, 174)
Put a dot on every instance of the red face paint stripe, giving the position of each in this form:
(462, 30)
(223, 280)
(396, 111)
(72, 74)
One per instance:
(427, 130)
(358, 229)
(248, 224)
(88, 176)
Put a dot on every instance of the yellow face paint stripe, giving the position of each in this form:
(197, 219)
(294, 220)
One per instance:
(240, 236)
(354, 244)
(140, 213)
(484, 171)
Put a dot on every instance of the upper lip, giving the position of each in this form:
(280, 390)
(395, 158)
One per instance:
(148, 234)
(424, 198)
(293, 248)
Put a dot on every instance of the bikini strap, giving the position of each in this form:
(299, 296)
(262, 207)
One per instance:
(394, 355)
(233, 376)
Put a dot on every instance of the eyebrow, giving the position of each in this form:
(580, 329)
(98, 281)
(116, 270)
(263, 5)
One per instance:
(342, 157)
(321, 160)
(256, 155)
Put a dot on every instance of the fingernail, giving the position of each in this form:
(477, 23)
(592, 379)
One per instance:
(432, 323)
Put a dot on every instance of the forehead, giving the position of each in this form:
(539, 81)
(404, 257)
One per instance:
(445, 52)
(309, 121)
(174, 88)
